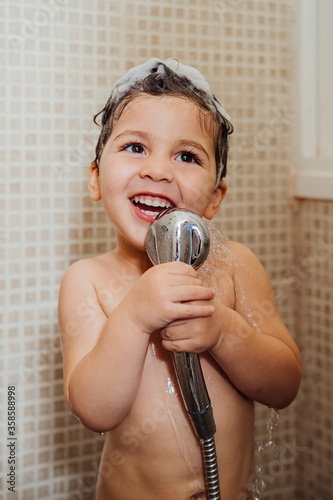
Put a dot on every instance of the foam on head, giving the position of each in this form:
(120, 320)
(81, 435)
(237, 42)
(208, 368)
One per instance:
(192, 84)
(139, 73)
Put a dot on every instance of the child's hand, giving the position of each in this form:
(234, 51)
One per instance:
(195, 334)
(166, 293)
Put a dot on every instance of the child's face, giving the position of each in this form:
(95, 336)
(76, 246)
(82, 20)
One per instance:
(158, 155)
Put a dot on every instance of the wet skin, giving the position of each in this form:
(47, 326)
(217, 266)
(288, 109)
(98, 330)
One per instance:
(157, 433)
(120, 319)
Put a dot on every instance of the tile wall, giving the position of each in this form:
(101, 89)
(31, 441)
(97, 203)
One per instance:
(312, 280)
(58, 61)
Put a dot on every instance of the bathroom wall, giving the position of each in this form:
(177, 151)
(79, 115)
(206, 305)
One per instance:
(312, 280)
(59, 61)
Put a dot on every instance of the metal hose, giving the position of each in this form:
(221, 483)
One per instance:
(198, 406)
(210, 466)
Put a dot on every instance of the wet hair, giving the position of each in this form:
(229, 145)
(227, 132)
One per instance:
(163, 81)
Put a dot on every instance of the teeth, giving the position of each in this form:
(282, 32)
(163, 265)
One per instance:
(145, 202)
(148, 212)
(152, 203)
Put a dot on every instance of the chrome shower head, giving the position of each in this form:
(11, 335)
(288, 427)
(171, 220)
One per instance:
(178, 234)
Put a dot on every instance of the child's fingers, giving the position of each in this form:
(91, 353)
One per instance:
(183, 345)
(192, 293)
(180, 279)
(178, 267)
(188, 310)
(175, 268)
(183, 329)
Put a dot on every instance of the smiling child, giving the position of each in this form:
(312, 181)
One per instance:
(164, 143)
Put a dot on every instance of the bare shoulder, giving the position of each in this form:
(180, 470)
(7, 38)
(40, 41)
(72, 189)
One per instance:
(245, 261)
(81, 315)
(95, 286)
(78, 287)
(78, 297)
(84, 269)
(85, 277)
(251, 281)
(241, 253)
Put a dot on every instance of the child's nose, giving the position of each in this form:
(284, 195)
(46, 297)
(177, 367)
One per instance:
(157, 169)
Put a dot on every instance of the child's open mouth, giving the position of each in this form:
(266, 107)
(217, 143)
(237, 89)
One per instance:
(151, 206)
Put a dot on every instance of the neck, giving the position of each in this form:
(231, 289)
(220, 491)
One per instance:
(134, 257)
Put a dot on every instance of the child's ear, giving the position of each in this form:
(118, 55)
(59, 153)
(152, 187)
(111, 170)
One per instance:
(94, 182)
(216, 200)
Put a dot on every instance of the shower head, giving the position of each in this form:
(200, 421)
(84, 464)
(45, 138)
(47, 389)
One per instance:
(178, 234)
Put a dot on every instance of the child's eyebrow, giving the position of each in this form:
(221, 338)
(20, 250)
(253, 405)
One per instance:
(138, 133)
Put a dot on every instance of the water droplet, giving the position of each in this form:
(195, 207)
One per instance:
(171, 388)
(219, 256)
(258, 485)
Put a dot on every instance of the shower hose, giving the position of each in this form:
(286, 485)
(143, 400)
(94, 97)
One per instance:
(181, 235)
(198, 406)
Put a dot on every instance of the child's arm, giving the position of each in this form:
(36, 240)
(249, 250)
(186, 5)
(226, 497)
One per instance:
(250, 342)
(104, 356)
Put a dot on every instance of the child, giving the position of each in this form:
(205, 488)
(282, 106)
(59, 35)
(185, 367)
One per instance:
(164, 144)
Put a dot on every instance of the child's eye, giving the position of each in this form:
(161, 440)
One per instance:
(188, 157)
(134, 148)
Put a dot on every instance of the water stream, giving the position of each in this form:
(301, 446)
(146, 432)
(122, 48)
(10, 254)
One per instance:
(258, 486)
